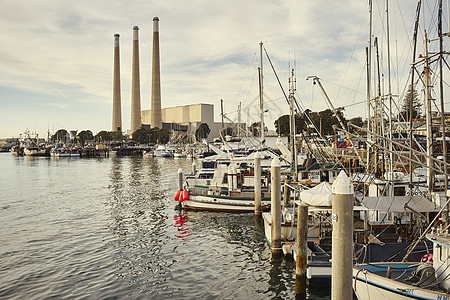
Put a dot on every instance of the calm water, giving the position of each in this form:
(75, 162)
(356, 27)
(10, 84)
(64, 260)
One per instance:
(108, 228)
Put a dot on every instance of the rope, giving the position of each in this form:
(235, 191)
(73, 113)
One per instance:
(356, 277)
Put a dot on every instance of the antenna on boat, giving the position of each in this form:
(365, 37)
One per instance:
(261, 91)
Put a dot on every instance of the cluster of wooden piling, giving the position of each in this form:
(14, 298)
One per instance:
(342, 220)
(342, 243)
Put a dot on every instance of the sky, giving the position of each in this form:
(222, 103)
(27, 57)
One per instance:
(56, 57)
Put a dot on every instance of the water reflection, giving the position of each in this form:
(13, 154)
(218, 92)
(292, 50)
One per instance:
(181, 222)
(139, 217)
(117, 235)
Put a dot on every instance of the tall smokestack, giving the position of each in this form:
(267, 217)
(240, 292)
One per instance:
(156, 81)
(135, 85)
(117, 111)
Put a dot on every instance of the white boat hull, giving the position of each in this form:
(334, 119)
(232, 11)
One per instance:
(219, 203)
(368, 285)
(288, 230)
(65, 154)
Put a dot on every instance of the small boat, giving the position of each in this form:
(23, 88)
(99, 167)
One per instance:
(242, 203)
(148, 153)
(179, 155)
(428, 279)
(65, 152)
(167, 153)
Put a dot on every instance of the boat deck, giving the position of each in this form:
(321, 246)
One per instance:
(419, 275)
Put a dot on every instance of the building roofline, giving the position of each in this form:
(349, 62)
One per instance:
(182, 106)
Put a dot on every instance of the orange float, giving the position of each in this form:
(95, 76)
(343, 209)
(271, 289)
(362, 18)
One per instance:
(177, 195)
(184, 195)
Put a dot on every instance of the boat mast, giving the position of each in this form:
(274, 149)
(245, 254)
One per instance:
(239, 120)
(261, 90)
(389, 94)
(377, 115)
(416, 25)
(221, 113)
(441, 88)
(369, 59)
(292, 126)
(430, 171)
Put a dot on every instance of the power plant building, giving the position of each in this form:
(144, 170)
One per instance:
(190, 116)
(180, 118)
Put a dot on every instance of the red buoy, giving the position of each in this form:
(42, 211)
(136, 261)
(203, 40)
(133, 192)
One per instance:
(184, 195)
(177, 195)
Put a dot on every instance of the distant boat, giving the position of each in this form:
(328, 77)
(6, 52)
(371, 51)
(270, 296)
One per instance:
(167, 153)
(179, 155)
(33, 150)
(64, 152)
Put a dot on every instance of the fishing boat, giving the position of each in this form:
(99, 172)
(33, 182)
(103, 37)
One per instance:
(227, 188)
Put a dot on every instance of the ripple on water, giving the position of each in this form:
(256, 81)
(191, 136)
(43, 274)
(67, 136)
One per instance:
(107, 228)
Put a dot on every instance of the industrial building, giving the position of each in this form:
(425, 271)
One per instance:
(189, 117)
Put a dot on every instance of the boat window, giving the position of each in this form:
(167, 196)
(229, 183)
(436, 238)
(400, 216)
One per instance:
(399, 191)
(206, 176)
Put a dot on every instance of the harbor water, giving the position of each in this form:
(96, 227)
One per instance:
(108, 229)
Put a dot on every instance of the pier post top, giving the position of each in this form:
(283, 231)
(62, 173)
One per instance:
(275, 162)
(258, 155)
(342, 185)
(180, 170)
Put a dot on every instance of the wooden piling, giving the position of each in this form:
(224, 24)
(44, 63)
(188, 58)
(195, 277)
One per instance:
(257, 183)
(275, 205)
(302, 252)
(180, 179)
(342, 238)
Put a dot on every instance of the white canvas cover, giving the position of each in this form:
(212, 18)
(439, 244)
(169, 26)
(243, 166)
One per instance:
(319, 195)
(397, 204)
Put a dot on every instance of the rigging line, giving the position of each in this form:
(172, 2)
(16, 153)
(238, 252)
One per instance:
(279, 82)
(437, 280)
(302, 106)
(353, 53)
(276, 75)
(246, 81)
(252, 106)
(408, 32)
(432, 25)
(250, 67)
(341, 86)
(363, 70)
(353, 104)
